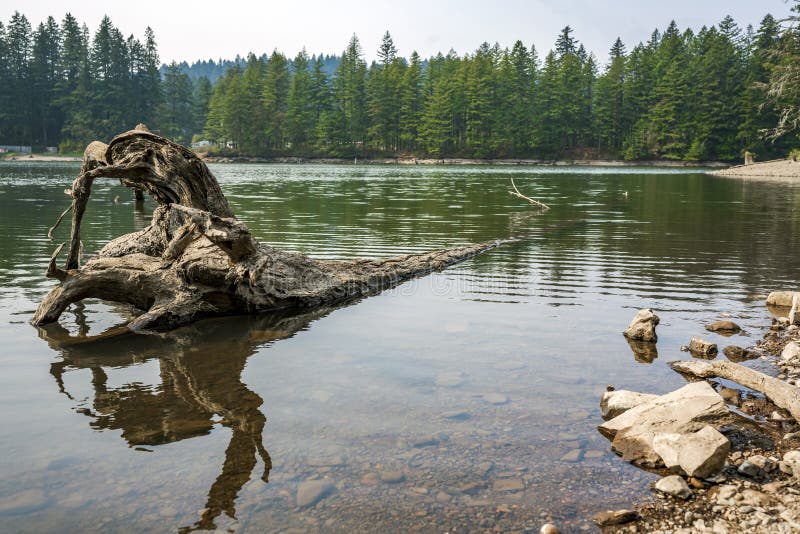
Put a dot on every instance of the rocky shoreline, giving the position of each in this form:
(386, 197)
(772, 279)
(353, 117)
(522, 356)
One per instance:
(781, 169)
(729, 456)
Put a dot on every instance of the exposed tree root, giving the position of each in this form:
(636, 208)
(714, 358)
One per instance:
(195, 259)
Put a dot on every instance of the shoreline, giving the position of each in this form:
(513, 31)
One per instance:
(758, 487)
(780, 169)
(41, 158)
(469, 161)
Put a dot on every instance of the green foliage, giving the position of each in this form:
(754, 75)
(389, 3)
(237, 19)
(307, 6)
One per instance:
(709, 95)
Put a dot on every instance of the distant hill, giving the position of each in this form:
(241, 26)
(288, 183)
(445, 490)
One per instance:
(213, 70)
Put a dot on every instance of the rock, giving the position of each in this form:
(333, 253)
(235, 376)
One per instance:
(613, 403)
(751, 497)
(615, 517)
(726, 495)
(738, 354)
(508, 484)
(442, 497)
(674, 486)
(425, 441)
(572, 456)
(702, 348)
(791, 351)
(311, 492)
(781, 299)
(794, 313)
(370, 479)
(698, 454)
(392, 476)
(450, 379)
(684, 410)
(495, 398)
(643, 326)
(549, 528)
(791, 463)
(23, 502)
(724, 327)
(457, 415)
(749, 469)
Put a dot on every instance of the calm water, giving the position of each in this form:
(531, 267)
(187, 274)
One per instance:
(477, 386)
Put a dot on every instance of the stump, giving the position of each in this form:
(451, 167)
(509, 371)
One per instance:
(195, 259)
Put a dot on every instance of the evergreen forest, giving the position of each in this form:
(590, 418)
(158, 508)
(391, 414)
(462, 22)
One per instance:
(681, 94)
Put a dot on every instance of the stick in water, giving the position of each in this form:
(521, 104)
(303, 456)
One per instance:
(516, 193)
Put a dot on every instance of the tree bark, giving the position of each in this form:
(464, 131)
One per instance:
(196, 259)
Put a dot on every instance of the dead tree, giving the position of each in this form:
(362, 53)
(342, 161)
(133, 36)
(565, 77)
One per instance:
(196, 259)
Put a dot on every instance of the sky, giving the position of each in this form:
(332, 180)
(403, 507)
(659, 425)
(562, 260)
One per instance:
(202, 29)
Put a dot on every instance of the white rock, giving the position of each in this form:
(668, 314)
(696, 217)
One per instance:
(675, 486)
(613, 403)
(794, 313)
(780, 298)
(791, 351)
(703, 347)
(643, 326)
(682, 411)
(697, 454)
(791, 463)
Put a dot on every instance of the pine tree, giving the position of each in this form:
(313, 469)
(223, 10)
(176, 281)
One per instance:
(175, 112)
(275, 99)
(301, 115)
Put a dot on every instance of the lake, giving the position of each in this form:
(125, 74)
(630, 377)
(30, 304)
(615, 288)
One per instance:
(462, 401)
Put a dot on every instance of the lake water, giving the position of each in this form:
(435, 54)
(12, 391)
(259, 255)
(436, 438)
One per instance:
(462, 401)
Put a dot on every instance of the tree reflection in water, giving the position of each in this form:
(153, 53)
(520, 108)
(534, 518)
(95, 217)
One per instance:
(200, 370)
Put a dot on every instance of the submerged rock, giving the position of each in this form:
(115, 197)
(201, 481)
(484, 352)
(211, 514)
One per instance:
(702, 348)
(698, 454)
(643, 326)
(674, 486)
(614, 403)
(615, 517)
(682, 411)
(311, 492)
(724, 327)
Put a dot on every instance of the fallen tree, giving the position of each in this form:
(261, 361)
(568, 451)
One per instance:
(779, 392)
(196, 259)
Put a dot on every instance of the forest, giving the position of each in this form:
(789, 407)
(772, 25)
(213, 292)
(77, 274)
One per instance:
(703, 95)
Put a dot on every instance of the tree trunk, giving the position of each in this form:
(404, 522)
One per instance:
(195, 259)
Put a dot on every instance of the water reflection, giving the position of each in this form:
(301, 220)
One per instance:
(200, 370)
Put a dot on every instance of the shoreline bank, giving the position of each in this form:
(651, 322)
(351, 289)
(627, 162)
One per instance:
(779, 168)
(469, 161)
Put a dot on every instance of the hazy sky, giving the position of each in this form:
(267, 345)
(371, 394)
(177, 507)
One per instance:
(201, 29)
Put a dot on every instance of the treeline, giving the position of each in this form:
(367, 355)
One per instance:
(680, 95)
(61, 87)
(708, 95)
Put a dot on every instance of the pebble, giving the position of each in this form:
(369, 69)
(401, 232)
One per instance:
(615, 517)
(674, 486)
(495, 398)
(509, 484)
(549, 528)
(572, 456)
(392, 476)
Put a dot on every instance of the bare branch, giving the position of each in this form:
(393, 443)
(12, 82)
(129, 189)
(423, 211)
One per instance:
(516, 193)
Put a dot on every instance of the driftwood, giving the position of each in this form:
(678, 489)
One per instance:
(517, 194)
(782, 394)
(196, 259)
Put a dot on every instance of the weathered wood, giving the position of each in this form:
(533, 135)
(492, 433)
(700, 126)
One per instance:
(782, 394)
(195, 259)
